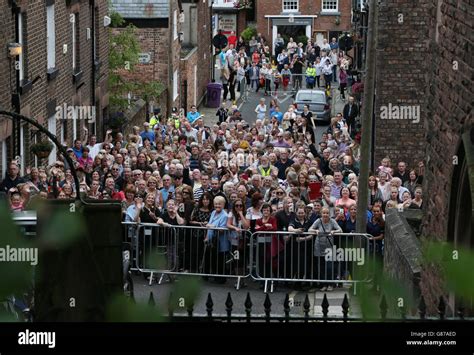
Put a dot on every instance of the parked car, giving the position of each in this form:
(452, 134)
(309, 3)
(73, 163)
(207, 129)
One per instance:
(318, 104)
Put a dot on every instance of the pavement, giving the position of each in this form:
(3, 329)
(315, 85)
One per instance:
(219, 294)
(247, 103)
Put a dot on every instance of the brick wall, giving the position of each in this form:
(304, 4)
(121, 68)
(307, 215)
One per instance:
(450, 115)
(401, 79)
(7, 34)
(449, 107)
(204, 50)
(415, 67)
(241, 21)
(157, 42)
(187, 72)
(323, 22)
(176, 55)
(61, 89)
(153, 41)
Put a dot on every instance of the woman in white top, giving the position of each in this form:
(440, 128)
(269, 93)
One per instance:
(289, 117)
(291, 47)
(261, 109)
(253, 213)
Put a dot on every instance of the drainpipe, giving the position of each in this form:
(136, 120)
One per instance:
(170, 57)
(94, 72)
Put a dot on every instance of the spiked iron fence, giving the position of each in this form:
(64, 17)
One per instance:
(230, 315)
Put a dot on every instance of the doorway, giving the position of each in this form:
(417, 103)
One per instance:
(297, 32)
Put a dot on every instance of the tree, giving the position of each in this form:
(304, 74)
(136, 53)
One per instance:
(123, 57)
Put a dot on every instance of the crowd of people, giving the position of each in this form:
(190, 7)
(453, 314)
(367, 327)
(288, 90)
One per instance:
(271, 175)
(291, 66)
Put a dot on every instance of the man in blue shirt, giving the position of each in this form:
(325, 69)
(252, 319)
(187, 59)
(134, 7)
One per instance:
(334, 44)
(167, 191)
(193, 115)
(147, 133)
(77, 148)
(278, 115)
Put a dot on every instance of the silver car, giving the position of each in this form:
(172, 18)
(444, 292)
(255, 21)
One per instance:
(317, 102)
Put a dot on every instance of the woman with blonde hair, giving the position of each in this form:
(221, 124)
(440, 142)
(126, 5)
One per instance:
(136, 133)
(152, 188)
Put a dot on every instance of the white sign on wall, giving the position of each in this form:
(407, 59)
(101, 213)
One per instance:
(144, 58)
(228, 23)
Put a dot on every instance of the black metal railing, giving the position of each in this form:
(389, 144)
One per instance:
(287, 316)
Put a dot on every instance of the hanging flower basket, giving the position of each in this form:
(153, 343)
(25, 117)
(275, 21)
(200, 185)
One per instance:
(243, 4)
(42, 149)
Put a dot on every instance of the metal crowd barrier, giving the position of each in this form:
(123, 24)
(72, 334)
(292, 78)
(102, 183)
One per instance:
(322, 258)
(265, 256)
(244, 93)
(129, 235)
(184, 250)
(296, 82)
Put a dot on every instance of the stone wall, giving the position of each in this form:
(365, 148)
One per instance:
(402, 253)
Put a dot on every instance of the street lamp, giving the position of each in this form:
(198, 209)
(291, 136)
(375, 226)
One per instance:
(14, 49)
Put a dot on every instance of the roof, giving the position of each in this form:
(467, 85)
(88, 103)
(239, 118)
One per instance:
(141, 8)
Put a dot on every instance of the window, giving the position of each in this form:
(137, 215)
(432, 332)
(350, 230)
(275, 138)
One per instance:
(21, 58)
(22, 150)
(52, 129)
(290, 5)
(330, 6)
(175, 85)
(74, 125)
(63, 131)
(175, 24)
(4, 159)
(51, 37)
(74, 19)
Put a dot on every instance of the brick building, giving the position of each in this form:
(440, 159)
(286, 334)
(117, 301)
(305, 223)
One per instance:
(228, 18)
(424, 62)
(64, 61)
(295, 18)
(174, 43)
(196, 53)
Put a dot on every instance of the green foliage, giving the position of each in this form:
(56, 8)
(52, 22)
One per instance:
(16, 277)
(397, 296)
(60, 230)
(42, 146)
(116, 19)
(122, 310)
(456, 265)
(152, 90)
(123, 56)
(302, 39)
(248, 33)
